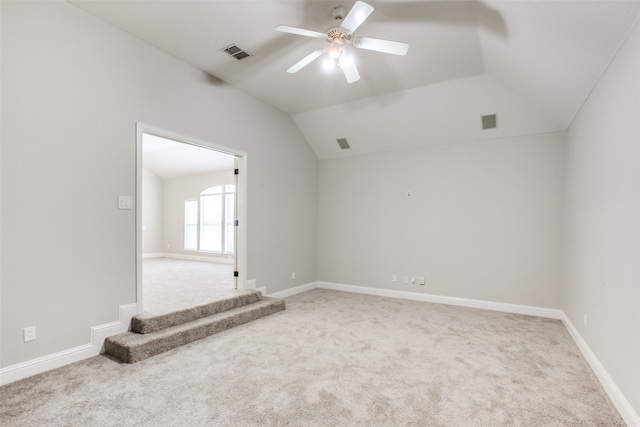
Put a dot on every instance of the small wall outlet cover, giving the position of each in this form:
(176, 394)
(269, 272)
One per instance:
(293, 276)
(29, 333)
(421, 281)
(394, 278)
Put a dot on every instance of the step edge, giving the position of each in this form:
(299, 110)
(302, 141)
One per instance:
(155, 323)
(135, 352)
(266, 302)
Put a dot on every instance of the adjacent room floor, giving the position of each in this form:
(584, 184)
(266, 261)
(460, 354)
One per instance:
(335, 359)
(174, 284)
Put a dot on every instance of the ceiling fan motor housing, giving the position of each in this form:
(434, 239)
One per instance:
(339, 35)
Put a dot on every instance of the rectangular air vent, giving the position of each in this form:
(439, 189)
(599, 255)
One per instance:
(342, 142)
(236, 52)
(489, 122)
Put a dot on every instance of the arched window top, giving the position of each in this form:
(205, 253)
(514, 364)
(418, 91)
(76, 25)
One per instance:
(212, 190)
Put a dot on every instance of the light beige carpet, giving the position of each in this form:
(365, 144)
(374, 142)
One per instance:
(173, 284)
(335, 359)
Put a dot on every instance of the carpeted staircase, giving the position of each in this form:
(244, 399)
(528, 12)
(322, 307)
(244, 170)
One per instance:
(151, 335)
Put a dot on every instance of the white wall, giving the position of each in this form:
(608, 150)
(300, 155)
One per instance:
(152, 212)
(176, 191)
(73, 89)
(484, 220)
(602, 275)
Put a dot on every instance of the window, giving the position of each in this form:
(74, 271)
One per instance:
(209, 223)
(191, 225)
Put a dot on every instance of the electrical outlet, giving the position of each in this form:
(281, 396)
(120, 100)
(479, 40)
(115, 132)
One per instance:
(29, 333)
(293, 276)
(421, 281)
(394, 278)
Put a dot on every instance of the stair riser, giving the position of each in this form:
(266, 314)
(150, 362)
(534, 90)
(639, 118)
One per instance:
(152, 348)
(143, 325)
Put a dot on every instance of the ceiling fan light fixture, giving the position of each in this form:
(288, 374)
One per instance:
(329, 64)
(335, 50)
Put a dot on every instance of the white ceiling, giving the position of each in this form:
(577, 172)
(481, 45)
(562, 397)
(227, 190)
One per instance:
(532, 62)
(170, 159)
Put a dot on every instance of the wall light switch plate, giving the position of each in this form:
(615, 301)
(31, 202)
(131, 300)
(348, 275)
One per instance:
(125, 202)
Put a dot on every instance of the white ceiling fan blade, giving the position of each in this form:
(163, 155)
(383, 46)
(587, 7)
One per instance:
(386, 46)
(356, 16)
(307, 60)
(349, 68)
(300, 31)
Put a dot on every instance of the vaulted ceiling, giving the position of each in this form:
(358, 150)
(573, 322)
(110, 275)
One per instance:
(532, 63)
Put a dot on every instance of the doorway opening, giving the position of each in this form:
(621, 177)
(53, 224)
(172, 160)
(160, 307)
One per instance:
(190, 247)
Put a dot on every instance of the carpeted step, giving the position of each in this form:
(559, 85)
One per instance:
(132, 347)
(147, 323)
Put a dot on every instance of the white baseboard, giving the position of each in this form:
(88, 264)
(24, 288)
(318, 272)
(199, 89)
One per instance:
(126, 312)
(294, 291)
(156, 255)
(188, 257)
(46, 363)
(439, 299)
(621, 403)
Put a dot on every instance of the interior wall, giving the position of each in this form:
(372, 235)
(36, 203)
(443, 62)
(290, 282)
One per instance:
(176, 192)
(482, 221)
(602, 275)
(152, 212)
(73, 88)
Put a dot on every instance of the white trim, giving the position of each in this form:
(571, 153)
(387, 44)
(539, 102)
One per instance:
(439, 299)
(156, 255)
(294, 291)
(240, 258)
(621, 403)
(45, 363)
(139, 166)
(213, 259)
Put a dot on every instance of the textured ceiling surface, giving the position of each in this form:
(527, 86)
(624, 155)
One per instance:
(533, 63)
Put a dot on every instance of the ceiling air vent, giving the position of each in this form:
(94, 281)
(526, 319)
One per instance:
(342, 142)
(236, 52)
(489, 122)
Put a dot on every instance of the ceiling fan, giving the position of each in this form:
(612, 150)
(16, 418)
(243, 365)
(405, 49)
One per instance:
(340, 37)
